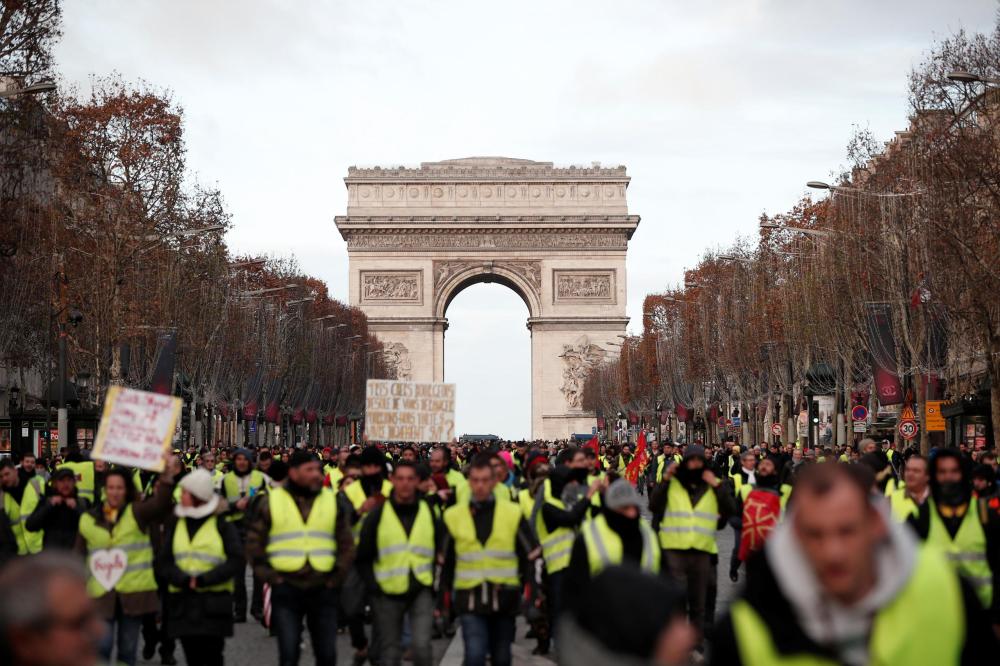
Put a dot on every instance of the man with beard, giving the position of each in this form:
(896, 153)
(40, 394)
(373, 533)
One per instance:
(363, 496)
(840, 582)
(760, 505)
(58, 515)
(239, 487)
(443, 472)
(299, 541)
(688, 508)
(961, 525)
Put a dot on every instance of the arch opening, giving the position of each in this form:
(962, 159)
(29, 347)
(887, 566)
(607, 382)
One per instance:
(488, 355)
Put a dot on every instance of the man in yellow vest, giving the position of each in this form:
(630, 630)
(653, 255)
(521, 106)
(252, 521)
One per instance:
(299, 541)
(239, 486)
(688, 508)
(487, 550)
(563, 505)
(440, 462)
(208, 463)
(201, 557)
(86, 474)
(396, 560)
(842, 583)
(957, 522)
(906, 501)
(617, 536)
(11, 494)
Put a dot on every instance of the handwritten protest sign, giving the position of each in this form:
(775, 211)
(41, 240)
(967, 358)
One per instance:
(136, 428)
(409, 411)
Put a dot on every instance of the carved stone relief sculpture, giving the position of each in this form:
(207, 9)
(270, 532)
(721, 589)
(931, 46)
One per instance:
(394, 286)
(398, 357)
(578, 360)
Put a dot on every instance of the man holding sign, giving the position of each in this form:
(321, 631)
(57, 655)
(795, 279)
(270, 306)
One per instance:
(114, 538)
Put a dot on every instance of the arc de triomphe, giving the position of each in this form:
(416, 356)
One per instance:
(556, 236)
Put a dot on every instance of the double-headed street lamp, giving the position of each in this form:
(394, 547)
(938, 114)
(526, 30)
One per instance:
(33, 89)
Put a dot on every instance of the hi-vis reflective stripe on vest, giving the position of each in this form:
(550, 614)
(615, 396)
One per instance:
(398, 554)
(84, 472)
(231, 490)
(967, 551)
(200, 555)
(292, 542)
(604, 546)
(908, 630)
(127, 536)
(356, 495)
(496, 562)
(557, 546)
(687, 528)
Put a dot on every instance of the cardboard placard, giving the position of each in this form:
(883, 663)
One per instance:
(136, 428)
(409, 411)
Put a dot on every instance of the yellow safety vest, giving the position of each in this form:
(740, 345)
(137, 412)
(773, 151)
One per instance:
(605, 549)
(13, 511)
(126, 535)
(399, 554)
(527, 503)
(496, 562)
(356, 496)
(84, 472)
(967, 551)
(335, 475)
(231, 490)
(292, 542)
(137, 482)
(907, 630)
(33, 494)
(557, 546)
(902, 506)
(689, 528)
(200, 555)
(784, 489)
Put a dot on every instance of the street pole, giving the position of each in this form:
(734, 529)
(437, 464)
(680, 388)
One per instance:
(63, 413)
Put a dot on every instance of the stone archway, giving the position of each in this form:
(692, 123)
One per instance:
(557, 237)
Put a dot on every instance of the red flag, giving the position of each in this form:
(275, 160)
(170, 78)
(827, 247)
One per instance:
(594, 446)
(639, 460)
(760, 516)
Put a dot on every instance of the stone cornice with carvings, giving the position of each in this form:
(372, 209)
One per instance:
(487, 239)
(459, 174)
(474, 221)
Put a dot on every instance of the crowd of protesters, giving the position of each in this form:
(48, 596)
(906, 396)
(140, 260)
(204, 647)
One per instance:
(855, 555)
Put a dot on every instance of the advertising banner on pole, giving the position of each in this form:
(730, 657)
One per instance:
(882, 342)
(136, 428)
(409, 411)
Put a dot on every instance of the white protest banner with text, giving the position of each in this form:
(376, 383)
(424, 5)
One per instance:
(409, 411)
(136, 428)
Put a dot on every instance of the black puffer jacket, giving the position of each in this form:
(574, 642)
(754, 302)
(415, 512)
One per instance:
(195, 612)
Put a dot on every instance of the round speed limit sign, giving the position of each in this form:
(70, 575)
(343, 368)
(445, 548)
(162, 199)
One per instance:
(776, 429)
(907, 428)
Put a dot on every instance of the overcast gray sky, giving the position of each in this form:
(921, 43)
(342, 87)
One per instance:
(720, 110)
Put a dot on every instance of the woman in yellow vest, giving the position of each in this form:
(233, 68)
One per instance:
(202, 553)
(114, 538)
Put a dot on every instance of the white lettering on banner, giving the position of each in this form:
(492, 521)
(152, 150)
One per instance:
(136, 428)
(409, 411)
